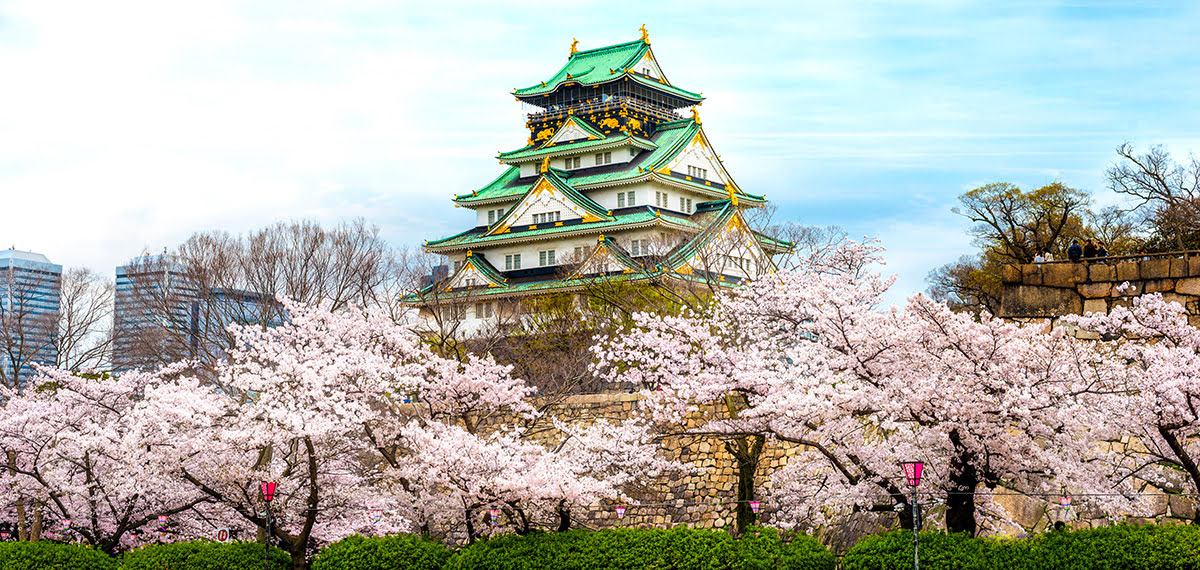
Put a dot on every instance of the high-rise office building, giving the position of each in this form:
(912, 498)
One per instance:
(30, 286)
(164, 313)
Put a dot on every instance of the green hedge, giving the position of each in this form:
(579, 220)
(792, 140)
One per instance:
(645, 549)
(403, 552)
(1118, 547)
(46, 555)
(203, 555)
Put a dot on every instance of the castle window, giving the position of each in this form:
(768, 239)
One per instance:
(491, 217)
(471, 282)
(639, 247)
(546, 258)
(602, 158)
(697, 172)
(689, 206)
(662, 200)
(633, 151)
(512, 262)
(571, 162)
(629, 198)
(620, 199)
(547, 217)
(483, 310)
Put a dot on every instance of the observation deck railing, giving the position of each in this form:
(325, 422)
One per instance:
(1183, 254)
(600, 105)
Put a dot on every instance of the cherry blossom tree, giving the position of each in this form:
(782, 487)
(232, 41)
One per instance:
(72, 446)
(1158, 350)
(812, 357)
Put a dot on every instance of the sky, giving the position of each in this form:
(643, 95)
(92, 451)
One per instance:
(127, 126)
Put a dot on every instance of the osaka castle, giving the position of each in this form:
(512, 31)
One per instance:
(617, 181)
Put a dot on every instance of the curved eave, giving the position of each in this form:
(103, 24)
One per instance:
(687, 97)
(536, 154)
(575, 231)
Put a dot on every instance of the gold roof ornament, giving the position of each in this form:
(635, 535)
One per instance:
(732, 197)
(470, 253)
(600, 239)
(574, 42)
(645, 34)
(696, 115)
(546, 163)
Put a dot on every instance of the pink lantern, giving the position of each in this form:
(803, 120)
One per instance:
(1065, 502)
(268, 490)
(162, 522)
(912, 472)
(66, 523)
(495, 516)
(754, 506)
(3, 536)
(620, 512)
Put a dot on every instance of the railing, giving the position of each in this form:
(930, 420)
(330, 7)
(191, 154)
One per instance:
(1185, 254)
(599, 105)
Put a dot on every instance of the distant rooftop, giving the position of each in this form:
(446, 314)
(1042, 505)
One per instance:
(16, 254)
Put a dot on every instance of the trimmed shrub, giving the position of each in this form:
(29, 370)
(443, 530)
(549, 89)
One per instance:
(1120, 547)
(46, 555)
(645, 549)
(403, 552)
(204, 555)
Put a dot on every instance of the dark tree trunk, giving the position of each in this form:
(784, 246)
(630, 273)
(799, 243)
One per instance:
(746, 451)
(964, 478)
(564, 517)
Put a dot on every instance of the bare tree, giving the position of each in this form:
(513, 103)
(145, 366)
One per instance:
(84, 324)
(179, 305)
(28, 313)
(1168, 189)
(1017, 225)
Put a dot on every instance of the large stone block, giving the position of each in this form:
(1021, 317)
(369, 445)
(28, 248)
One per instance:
(1188, 286)
(1158, 285)
(1159, 268)
(1035, 301)
(1179, 267)
(1102, 272)
(1128, 271)
(1010, 274)
(1063, 274)
(1031, 274)
(1095, 306)
(1095, 290)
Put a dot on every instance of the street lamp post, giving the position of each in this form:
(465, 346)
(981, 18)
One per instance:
(912, 472)
(268, 495)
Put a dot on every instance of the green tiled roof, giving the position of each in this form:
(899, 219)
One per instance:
(536, 152)
(671, 138)
(482, 265)
(601, 65)
(475, 238)
(552, 176)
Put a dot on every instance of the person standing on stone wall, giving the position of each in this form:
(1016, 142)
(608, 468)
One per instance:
(1089, 249)
(1074, 252)
(1100, 250)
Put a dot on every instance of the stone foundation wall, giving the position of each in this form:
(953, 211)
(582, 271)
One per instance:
(706, 497)
(1051, 290)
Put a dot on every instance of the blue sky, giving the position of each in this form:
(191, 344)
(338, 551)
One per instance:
(128, 125)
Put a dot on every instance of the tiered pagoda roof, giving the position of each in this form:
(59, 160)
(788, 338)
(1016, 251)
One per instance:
(603, 99)
(606, 65)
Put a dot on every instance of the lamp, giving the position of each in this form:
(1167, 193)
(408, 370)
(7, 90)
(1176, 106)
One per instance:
(268, 490)
(912, 472)
(620, 512)
(755, 506)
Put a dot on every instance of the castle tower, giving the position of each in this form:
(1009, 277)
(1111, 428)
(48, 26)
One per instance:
(615, 181)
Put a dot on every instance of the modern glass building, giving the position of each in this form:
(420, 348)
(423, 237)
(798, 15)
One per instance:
(30, 286)
(163, 313)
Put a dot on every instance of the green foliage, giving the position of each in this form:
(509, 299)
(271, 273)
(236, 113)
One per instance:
(404, 552)
(1121, 547)
(203, 555)
(46, 555)
(645, 549)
